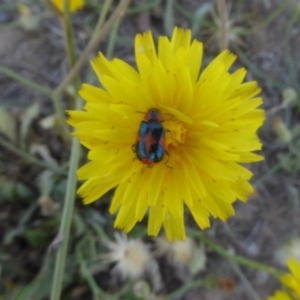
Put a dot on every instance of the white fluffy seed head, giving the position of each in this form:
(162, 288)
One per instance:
(133, 260)
(131, 256)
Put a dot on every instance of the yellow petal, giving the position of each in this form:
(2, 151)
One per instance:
(174, 227)
(195, 54)
(280, 295)
(165, 53)
(94, 94)
(180, 38)
(200, 214)
(155, 183)
(227, 58)
(124, 219)
(173, 200)
(144, 45)
(117, 198)
(156, 217)
(294, 266)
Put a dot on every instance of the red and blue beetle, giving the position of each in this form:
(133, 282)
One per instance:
(150, 145)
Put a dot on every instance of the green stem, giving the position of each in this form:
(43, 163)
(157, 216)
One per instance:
(272, 171)
(29, 157)
(239, 259)
(169, 21)
(245, 282)
(68, 35)
(112, 40)
(104, 12)
(97, 292)
(61, 118)
(70, 44)
(25, 81)
(68, 209)
(66, 220)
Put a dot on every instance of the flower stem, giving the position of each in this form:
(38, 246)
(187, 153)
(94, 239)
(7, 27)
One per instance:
(68, 208)
(70, 46)
(61, 118)
(66, 221)
(104, 11)
(239, 259)
(248, 287)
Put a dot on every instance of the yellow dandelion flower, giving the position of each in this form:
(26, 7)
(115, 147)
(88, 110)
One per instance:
(291, 281)
(74, 5)
(166, 137)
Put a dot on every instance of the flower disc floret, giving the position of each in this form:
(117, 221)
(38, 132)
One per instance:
(210, 123)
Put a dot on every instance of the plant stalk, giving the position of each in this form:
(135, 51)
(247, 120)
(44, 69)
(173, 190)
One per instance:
(69, 202)
(239, 259)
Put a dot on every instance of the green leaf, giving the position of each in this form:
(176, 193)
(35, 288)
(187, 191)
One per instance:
(27, 117)
(36, 237)
(10, 190)
(8, 125)
(169, 21)
(40, 287)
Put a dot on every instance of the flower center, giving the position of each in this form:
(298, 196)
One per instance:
(175, 133)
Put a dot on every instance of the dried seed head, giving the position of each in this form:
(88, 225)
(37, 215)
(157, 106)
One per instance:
(133, 260)
(176, 252)
(48, 206)
(185, 256)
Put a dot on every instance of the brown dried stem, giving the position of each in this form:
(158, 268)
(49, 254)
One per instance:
(222, 11)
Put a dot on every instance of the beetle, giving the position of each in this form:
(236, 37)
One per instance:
(150, 145)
